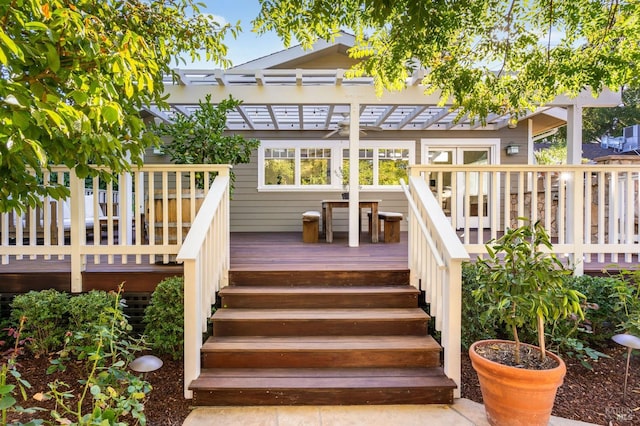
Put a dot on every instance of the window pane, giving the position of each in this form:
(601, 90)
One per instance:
(366, 166)
(315, 166)
(393, 165)
(279, 166)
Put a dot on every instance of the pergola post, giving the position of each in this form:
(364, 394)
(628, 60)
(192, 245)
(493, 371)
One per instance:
(354, 174)
(575, 184)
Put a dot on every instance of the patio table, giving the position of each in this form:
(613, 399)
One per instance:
(327, 216)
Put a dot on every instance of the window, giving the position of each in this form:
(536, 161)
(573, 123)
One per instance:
(381, 166)
(279, 166)
(322, 165)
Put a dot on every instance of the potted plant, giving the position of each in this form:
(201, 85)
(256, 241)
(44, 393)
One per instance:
(523, 283)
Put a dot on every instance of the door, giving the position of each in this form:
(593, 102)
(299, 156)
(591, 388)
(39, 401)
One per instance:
(471, 188)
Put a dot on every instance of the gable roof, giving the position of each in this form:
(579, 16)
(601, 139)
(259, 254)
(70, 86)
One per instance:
(314, 58)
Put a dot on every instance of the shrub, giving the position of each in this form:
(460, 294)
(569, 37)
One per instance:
(473, 326)
(46, 315)
(604, 311)
(85, 309)
(164, 318)
(116, 394)
(88, 315)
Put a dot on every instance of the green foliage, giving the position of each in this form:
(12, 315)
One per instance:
(483, 56)
(524, 286)
(604, 313)
(117, 395)
(629, 299)
(86, 309)
(474, 327)
(11, 381)
(598, 122)
(164, 318)
(46, 314)
(556, 153)
(199, 138)
(75, 76)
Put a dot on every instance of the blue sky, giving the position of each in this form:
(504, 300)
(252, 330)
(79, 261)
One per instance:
(248, 45)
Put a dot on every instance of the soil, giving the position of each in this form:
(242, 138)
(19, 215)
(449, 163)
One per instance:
(594, 396)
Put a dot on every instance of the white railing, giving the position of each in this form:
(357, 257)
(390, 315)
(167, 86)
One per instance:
(142, 217)
(435, 262)
(206, 258)
(591, 211)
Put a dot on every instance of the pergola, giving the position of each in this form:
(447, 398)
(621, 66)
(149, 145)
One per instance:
(318, 100)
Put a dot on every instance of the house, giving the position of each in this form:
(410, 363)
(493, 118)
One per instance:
(300, 106)
(466, 182)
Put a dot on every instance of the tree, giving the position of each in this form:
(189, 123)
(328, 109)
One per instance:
(199, 138)
(76, 76)
(484, 56)
(598, 122)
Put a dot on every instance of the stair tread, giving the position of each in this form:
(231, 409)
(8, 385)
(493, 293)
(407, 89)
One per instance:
(319, 378)
(312, 290)
(321, 343)
(230, 314)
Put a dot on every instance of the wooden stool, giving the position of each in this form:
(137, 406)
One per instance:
(391, 226)
(310, 226)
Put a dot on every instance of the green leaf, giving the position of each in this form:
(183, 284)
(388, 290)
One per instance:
(9, 43)
(53, 58)
(22, 119)
(110, 114)
(95, 390)
(5, 389)
(7, 401)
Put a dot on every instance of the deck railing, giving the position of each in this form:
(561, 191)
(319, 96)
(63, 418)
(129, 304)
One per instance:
(140, 217)
(435, 262)
(206, 258)
(591, 211)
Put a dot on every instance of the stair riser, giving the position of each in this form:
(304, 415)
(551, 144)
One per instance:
(318, 278)
(330, 396)
(324, 359)
(319, 301)
(320, 328)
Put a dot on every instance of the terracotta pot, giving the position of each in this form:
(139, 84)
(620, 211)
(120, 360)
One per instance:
(516, 396)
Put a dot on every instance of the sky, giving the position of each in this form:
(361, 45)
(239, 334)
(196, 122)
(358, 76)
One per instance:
(248, 45)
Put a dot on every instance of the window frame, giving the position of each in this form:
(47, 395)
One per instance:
(337, 147)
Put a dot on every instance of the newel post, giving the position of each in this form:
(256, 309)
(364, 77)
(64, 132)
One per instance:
(77, 231)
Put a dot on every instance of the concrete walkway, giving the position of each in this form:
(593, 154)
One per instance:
(463, 412)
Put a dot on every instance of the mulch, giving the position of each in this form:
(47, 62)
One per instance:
(591, 396)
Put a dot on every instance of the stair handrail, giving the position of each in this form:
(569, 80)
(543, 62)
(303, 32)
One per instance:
(206, 257)
(422, 225)
(435, 263)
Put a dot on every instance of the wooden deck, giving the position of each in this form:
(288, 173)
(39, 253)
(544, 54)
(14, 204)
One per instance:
(287, 252)
(262, 251)
(249, 251)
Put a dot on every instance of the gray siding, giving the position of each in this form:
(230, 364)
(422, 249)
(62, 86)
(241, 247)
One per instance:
(254, 211)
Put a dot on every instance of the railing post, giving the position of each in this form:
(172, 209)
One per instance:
(77, 231)
(192, 327)
(452, 324)
(575, 211)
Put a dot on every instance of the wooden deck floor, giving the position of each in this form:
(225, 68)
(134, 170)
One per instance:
(249, 251)
(287, 252)
(267, 251)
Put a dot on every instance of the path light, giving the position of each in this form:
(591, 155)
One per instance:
(145, 364)
(631, 342)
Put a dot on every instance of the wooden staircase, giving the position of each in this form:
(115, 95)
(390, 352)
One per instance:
(320, 338)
